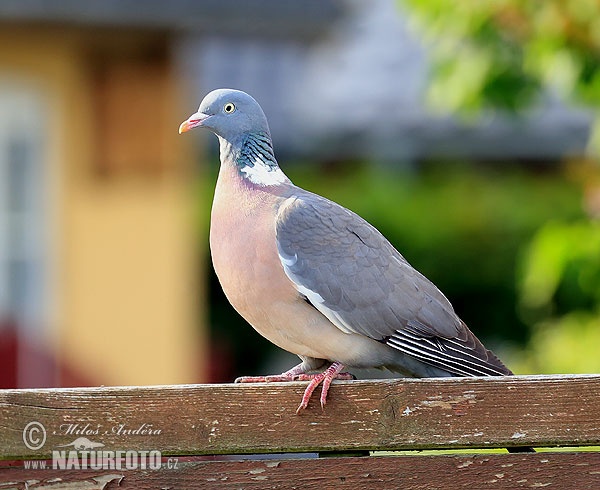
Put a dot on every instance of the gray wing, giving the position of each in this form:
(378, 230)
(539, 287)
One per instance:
(362, 284)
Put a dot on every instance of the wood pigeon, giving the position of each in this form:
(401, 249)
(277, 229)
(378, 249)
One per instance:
(315, 278)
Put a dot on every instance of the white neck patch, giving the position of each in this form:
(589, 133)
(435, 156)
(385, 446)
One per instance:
(263, 174)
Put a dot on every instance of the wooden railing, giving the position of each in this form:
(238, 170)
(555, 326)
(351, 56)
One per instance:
(248, 436)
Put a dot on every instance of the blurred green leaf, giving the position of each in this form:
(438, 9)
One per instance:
(560, 252)
(569, 344)
(502, 54)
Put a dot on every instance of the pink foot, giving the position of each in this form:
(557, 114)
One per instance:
(326, 377)
(298, 374)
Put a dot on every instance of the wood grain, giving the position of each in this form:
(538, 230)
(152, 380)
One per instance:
(360, 415)
(492, 471)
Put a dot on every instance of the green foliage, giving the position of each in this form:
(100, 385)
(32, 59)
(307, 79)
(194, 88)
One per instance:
(568, 344)
(561, 269)
(560, 297)
(499, 54)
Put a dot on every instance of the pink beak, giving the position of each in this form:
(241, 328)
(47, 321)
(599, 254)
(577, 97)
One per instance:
(193, 121)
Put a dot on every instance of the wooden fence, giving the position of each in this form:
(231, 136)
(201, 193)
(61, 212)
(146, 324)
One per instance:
(248, 436)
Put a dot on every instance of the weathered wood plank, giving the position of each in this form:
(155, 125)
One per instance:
(492, 471)
(386, 414)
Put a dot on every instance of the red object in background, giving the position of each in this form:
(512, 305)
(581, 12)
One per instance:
(221, 364)
(8, 355)
(24, 363)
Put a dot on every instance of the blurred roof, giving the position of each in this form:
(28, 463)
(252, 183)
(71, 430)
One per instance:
(285, 18)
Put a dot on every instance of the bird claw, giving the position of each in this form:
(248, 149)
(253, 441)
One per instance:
(301, 407)
(326, 377)
(296, 374)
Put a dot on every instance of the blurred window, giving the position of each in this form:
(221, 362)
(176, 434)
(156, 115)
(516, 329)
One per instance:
(23, 214)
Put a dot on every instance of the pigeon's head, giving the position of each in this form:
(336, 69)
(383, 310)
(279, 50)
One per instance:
(228, 113)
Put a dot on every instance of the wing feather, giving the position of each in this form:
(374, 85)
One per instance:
(362, 284)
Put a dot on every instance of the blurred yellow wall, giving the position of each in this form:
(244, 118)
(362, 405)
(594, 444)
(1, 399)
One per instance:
(126, 303)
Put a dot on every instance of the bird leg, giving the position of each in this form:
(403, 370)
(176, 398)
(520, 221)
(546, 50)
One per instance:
(297, 373)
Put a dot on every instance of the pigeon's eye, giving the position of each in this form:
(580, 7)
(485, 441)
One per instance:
(229, 108)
